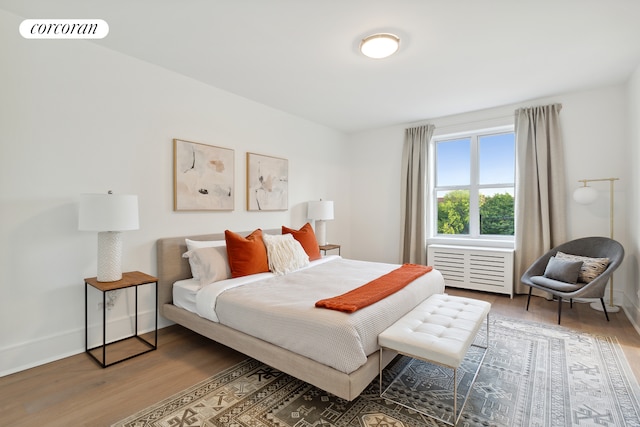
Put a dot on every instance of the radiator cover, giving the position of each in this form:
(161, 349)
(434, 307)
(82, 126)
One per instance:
(477, 268)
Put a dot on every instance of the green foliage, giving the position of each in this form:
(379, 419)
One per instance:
(496, 214)
(453, 213)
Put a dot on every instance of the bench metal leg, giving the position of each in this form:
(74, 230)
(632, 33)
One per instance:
(455, 394)
(380, 373)
(456, 415)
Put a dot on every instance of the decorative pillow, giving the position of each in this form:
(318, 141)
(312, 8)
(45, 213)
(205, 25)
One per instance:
(247, 255)
(209, 264)
(285, 253)
(591, 267)
(307, 239)
(563, 270)
(194, 244)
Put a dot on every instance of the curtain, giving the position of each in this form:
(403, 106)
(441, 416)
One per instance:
(414, 193)
(540, 186)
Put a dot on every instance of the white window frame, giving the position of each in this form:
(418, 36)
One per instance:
(474, 237)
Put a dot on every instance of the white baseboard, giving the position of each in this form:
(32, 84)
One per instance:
(120, 327)
(29, 354)
(632, 312)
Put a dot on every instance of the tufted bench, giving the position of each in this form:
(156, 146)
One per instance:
(440, 330)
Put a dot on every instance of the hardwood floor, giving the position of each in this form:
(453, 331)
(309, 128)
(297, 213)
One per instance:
(76, 392)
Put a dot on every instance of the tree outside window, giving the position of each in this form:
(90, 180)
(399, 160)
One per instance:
(474, 188)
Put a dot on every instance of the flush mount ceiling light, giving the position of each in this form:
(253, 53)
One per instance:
(380, 45)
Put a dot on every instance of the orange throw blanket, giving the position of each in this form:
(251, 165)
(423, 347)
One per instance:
(375, 290)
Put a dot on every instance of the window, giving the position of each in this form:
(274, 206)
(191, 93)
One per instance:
(474, 184)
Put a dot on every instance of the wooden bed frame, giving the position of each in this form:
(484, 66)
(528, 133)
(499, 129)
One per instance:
(172, 267)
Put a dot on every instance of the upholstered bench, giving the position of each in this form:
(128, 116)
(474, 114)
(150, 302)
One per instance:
(439, 330)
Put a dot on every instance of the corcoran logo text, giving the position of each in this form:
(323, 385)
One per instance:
(64, 29)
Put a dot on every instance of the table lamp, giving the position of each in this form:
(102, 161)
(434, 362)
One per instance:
(109, 214)
(320, 211)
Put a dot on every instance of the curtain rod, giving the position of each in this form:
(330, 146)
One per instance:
(511, 116)
(473, 121)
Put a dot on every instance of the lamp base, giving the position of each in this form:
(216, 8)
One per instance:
(321, 232)
(109, 256)
(597, 305)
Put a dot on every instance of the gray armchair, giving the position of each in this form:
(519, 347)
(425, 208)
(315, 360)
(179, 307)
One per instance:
(592, 247)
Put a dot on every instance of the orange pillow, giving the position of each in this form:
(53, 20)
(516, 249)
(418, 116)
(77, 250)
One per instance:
(247, 255)
(307, 239)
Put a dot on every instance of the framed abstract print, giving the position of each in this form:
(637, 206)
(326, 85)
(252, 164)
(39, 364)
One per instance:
(203, 177)
(267, 183)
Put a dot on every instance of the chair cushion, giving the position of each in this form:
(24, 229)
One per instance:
(563, 270)
(556, 285)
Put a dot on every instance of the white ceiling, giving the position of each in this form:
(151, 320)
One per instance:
(301, 56)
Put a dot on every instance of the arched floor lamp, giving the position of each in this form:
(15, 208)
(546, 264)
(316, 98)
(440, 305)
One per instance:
(586, 195)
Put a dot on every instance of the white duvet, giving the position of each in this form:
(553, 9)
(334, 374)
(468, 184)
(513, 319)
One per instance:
(281, 309)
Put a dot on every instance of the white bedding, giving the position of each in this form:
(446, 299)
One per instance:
(184, 294)
(281, 309)
(185, 291)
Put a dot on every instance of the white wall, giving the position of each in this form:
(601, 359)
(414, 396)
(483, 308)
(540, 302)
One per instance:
(595, 126)
(375, 199)
(79, 118)
(632, 257)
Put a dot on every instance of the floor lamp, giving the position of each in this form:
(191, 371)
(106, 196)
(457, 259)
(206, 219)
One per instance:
(586, 195)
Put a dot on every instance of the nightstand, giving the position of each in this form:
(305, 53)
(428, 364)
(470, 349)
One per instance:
(130, 279)
(329, 247)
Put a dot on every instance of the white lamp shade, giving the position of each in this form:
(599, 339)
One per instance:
(585, 195)
(108, 212)
(320, 210)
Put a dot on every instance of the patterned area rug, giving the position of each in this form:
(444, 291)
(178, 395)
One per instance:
(532, 375)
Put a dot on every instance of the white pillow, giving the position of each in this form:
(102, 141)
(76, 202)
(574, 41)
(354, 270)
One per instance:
(209, 264)
(285, 253)
(195, 244)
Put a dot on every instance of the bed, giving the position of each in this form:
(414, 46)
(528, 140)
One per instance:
(346, 381)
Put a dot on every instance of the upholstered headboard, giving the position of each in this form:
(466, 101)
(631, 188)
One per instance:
(172, 267)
